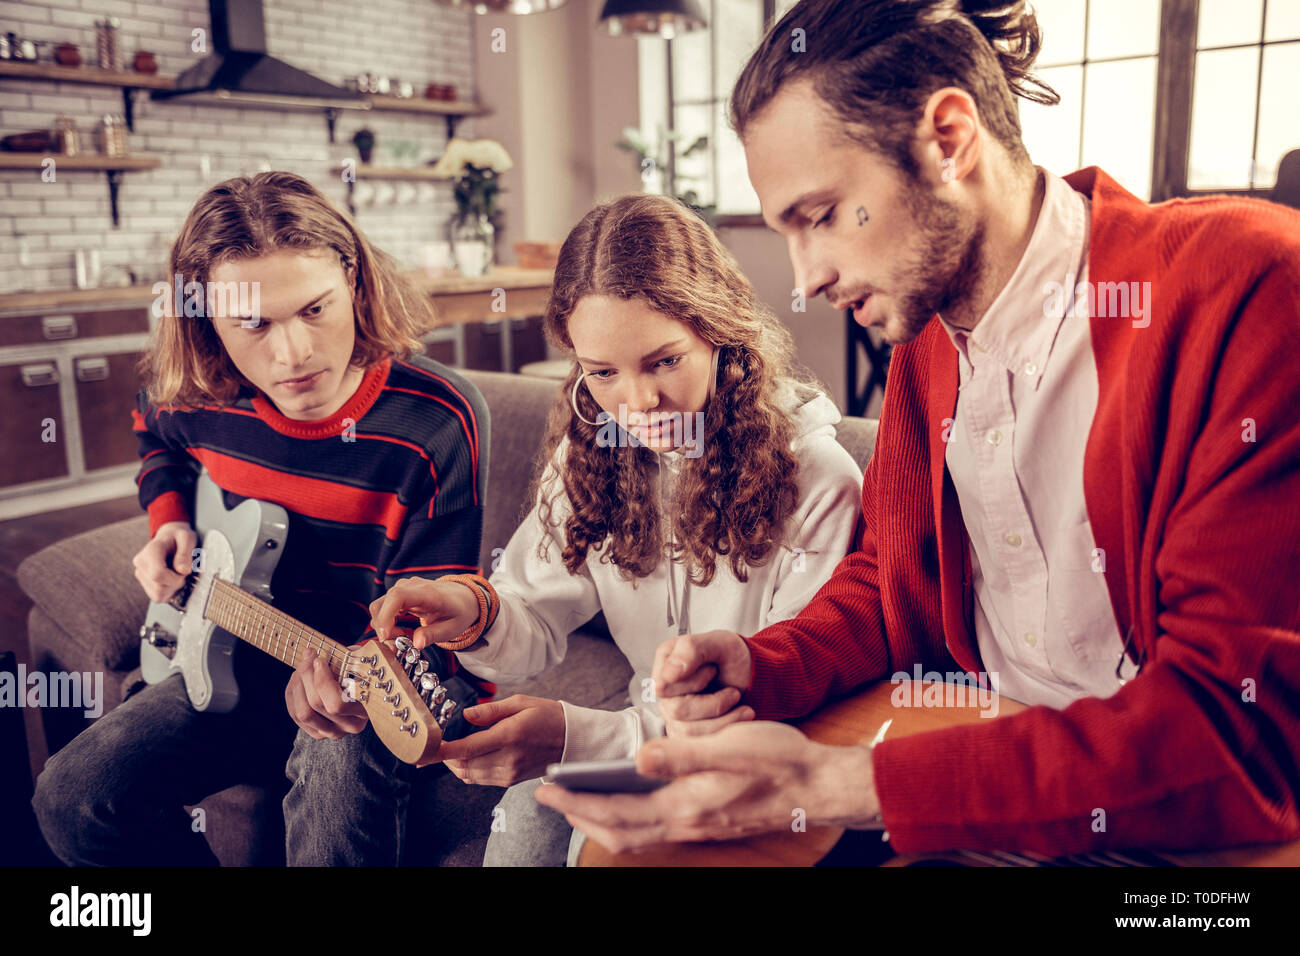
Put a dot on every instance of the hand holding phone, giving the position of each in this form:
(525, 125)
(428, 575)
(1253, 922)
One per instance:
(601, 776)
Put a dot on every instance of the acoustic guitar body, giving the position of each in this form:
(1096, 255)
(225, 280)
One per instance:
(857, 720)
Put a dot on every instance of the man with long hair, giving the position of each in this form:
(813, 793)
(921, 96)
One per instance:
(322, 402)
(1084, 486)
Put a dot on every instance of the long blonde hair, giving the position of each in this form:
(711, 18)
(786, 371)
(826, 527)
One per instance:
(252, 216)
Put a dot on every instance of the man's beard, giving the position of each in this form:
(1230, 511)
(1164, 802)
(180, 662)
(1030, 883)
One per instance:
(944, 266)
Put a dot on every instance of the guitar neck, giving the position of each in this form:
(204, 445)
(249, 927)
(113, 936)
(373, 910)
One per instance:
(256, 622)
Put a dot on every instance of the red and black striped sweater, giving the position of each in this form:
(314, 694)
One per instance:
(391, 485)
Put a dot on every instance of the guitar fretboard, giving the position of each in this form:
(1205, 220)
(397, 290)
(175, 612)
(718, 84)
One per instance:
(256, 622)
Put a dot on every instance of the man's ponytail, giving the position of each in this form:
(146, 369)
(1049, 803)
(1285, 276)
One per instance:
(1012, 30)
(875, 62)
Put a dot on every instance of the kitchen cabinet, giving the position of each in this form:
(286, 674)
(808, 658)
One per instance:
(68, 381)
(69, 359)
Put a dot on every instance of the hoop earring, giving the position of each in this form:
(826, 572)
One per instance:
(713, 373)
(948, 174)
(573, 401)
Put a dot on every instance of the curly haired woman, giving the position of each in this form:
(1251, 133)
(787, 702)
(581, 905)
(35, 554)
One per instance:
(689, 481)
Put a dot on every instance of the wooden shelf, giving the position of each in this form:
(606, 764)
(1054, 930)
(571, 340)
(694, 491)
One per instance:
(410, 173)
(417, 104)
(86, 74)
(452, 111)
(127, 80)
(112, 166)
(129, 163)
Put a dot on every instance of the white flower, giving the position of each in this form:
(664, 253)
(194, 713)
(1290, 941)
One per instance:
(483, 153)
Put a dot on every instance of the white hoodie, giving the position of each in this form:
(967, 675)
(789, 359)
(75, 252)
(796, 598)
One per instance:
(542, 603)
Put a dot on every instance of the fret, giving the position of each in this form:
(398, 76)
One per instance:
(293, 643)
(254, 621)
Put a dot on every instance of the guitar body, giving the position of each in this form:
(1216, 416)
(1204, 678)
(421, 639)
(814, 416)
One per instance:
(858, 720)
(226, 601)
(241, 545)
(853, 720)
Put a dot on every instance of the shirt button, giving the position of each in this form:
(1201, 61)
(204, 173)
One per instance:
(1013, 539)
(1031, 639)
(1031, 368)
(994, 437)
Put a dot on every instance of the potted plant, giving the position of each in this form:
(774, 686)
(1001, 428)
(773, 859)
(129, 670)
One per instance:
(652, 163)
(474, 167)
(364, 141)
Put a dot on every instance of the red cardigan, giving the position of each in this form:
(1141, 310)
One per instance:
(1201, 533)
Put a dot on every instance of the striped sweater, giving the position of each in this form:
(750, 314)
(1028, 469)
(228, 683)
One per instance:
(390, 485)
(1192, 482)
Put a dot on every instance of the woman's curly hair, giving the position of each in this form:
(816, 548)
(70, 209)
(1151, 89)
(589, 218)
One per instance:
(734, 499)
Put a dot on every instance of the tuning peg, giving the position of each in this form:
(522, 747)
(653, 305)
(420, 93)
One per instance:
(403, 644)
(428, 681)
(446, 712)
(419, 668)
(435, 697)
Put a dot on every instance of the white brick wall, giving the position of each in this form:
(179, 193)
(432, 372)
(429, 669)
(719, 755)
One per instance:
(42, 223)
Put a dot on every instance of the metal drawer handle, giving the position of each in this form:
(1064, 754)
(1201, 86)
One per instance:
(92, 369)
(34, 376)
(56, 327)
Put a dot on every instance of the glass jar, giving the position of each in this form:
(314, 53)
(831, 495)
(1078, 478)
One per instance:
(66, 138)
(472, 237)
(107, 51)
(111, 136)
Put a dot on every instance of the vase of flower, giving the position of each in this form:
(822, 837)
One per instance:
(472, 243)
(474, 168)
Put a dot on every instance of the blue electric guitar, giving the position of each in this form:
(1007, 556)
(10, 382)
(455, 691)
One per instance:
(224, 601)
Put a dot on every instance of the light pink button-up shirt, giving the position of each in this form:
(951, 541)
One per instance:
(1028, 394)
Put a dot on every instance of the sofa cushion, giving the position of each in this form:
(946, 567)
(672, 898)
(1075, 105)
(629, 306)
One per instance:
(86, 585)
(858, 436)
(519, 405)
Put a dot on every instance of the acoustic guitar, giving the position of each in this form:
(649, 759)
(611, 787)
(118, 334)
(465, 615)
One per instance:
(858, 720)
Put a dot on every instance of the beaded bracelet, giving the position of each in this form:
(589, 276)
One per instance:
(488, 606)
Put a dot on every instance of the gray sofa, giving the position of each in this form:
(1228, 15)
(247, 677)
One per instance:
(88, 609)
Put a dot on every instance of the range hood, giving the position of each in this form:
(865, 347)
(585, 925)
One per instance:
(240, 73)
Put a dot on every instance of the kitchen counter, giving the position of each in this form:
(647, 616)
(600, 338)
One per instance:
(457, 290)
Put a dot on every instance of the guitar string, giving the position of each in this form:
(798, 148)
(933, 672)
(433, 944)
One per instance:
(240, 606)
(243, 607)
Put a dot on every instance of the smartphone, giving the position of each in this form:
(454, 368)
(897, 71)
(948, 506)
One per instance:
(602, 776)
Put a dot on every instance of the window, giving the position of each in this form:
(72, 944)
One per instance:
(1243, 106)
(1171, 97)
(1100, 56)
(686, 90)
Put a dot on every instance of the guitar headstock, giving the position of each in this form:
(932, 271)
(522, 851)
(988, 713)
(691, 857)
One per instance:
(406, 702)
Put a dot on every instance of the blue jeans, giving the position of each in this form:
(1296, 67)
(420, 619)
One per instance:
(525, 833)
(116, 794)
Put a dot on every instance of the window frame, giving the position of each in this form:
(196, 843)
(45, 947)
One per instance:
(1172, 124)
